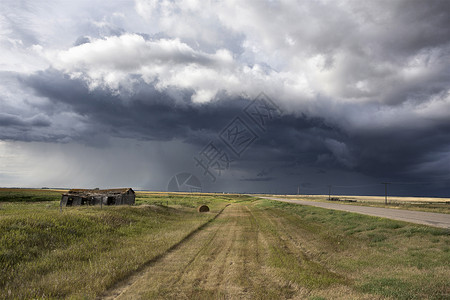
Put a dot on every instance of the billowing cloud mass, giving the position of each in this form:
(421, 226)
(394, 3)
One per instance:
(362, 90)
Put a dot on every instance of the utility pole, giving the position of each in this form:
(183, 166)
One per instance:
(329, 193)
(385, 191)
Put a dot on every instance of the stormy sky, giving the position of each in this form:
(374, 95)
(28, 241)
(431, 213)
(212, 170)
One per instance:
(247, 96)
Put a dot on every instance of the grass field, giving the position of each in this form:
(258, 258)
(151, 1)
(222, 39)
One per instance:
(254, 249)
(29, 195)
(81, 251)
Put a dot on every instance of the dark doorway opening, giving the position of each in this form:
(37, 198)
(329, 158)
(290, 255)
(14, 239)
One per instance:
(111, 201)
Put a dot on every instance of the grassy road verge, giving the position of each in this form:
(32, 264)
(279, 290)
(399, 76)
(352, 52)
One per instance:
(262, 249)
(436, 205)
(378, 257)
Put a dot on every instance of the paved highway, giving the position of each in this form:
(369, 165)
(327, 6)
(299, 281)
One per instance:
(418, 217)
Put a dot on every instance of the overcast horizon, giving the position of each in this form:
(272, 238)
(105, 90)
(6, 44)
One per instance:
(247, 96)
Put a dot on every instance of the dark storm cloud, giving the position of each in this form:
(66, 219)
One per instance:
(150, 114)
(430, 20)
(146, 114)
(395, 151)
(13, 120)
(363, 86)
(291, 140)
(258, 179)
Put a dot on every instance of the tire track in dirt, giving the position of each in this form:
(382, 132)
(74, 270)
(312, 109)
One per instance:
(297, 241)
(195, 257)
(222, 268)
(122, 286)
(218, 261)
(172, 274)
(244, 253)
(213, 255)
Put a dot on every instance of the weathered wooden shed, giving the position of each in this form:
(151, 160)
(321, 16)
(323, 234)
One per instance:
(76, 197)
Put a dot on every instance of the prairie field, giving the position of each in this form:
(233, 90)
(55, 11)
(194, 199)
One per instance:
(244, 248)
(29, 195)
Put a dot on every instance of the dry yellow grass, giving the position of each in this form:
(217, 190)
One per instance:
(236, 257)
(253, 251)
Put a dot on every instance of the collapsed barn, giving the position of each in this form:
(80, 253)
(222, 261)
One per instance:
(76, 197)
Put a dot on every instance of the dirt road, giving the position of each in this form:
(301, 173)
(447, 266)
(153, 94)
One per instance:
(418, 217)
(242, 254)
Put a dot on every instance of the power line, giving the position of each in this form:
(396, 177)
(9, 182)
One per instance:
(420, 182)
(315, 187)
(385, 191)
(354, 186)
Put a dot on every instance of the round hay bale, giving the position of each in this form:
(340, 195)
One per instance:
(203, 208)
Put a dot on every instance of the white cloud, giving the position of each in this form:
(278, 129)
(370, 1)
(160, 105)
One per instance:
(114, 62)
(344, 51)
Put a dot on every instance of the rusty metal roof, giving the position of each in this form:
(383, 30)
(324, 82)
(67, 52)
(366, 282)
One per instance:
(98, 191)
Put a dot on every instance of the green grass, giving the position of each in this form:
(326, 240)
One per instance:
(81, 251)
(29, 195)
(425, 205)
(188, 200)
(443, 208)
(383, 257)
